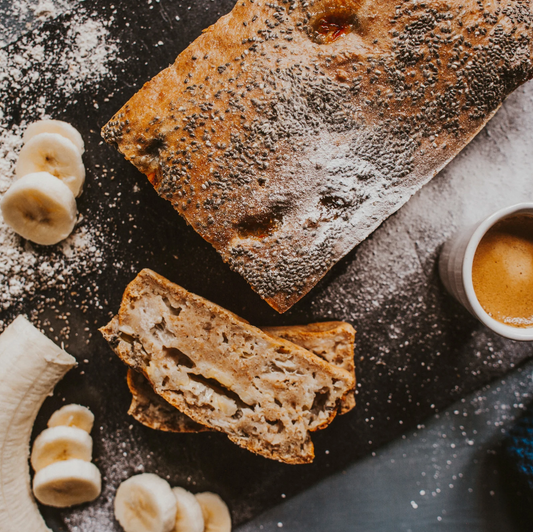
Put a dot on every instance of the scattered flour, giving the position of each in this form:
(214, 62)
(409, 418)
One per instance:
(88, 57)
(123, 459)
(18, 15)
(79, 62)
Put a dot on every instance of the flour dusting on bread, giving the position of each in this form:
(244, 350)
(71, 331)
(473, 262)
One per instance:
(284, 146)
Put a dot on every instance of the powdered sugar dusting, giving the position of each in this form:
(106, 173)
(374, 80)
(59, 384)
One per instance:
(24, 270)
(123, 459)
(62, 69)
(22, 14)
(406, 248)
(88, 57)
(82, 58)
(10, 144)
(45, 9)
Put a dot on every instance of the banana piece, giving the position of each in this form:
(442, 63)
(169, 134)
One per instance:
(40, 208)
(30, 366)
(55, 126)
(189, 517)
(52, 153)
(61, 443)
(215, 511)
(67, 483)
(73, 416)
(145, 503)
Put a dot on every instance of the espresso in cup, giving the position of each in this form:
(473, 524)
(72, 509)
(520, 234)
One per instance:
(502, 271)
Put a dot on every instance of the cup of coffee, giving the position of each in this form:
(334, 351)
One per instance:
(489, 269)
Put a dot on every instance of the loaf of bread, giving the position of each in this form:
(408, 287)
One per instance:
(333, 341)
(265, 393)
(289, 130)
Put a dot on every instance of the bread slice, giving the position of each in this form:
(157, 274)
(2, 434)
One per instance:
(153, 411)
(289, 130)
(265, 393)
(333, 341)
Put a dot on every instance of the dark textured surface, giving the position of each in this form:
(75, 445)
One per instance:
(518, 449)
(416, 349)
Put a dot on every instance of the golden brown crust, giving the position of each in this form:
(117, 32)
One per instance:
(153, 411)
(285, 151)
(265, 393)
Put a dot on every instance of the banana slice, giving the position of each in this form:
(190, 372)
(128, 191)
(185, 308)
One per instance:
(215, 511)
(55, 126)
(67, 483)
(52, 153)
(61, 443)
(189, 517)
(40, 208)
(145, 503)
(73, 416)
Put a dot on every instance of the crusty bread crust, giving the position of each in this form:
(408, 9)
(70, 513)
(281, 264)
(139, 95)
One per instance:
(284, 150)
(265, 393)
(152, 411)
(333, 341)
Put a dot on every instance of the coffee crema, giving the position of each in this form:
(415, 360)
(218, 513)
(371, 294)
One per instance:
(502, 272)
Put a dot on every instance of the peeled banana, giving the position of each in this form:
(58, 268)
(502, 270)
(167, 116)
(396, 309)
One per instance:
(67, 483)
(40, 208)
(55, 154)
(215, 511)
(61, 443)
(55, 126)
(189, 517)
(145, 503)
(30, 366)
(73, 416)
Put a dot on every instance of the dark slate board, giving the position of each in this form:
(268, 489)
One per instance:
(426, 368)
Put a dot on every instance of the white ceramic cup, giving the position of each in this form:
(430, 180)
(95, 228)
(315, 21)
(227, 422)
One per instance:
(455, 269)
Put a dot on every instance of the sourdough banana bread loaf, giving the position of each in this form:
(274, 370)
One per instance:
(332, 341)
(290, 129)
(265, 393)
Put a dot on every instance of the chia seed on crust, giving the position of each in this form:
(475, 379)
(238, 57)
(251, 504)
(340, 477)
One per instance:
(284, 152)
